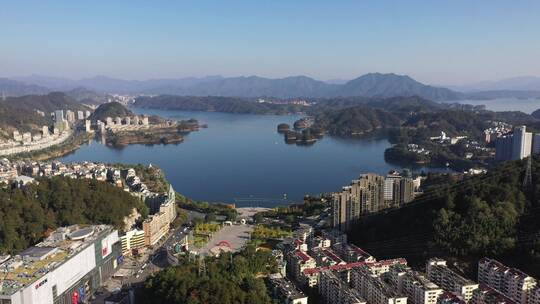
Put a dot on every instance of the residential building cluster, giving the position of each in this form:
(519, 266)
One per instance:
(438, 272)
(498, 129)
(286, 291)
(472, 146)
(128, 123)
(61, 130)
(162, 206)
(119, 122)
(67, 267)
(67, 120)
(518, 145)
(123, 99)
(445, 139)
(415, 148)
(345, 274)
(501, 282)
(300, 102)
(371, 193)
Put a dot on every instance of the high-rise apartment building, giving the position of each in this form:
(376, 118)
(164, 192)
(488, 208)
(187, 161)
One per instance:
(503, 148)
(511, 282)
(536, 144)
(368, 194)
(521, 143)
(518, 145)
(363, 196)
(59, 115)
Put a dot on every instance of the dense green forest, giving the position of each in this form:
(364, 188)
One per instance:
(292, 215)
(28, 213)
(418, 129)
(110, 109)
(228, 279)
(492, 215)
(215, 104)
(87, 97)
(355, 120)
(211, 209)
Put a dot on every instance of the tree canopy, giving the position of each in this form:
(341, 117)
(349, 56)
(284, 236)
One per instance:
(28, 213)
(487, 215)
(230, 278)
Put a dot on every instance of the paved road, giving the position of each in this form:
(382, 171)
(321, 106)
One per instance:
(152, 261)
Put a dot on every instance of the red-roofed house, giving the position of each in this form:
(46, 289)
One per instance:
(297, 261)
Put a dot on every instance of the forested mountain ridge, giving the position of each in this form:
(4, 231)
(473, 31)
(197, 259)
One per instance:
(87, 97)
(215, 104)
(492, 215)
(110, 109)
(21, 113)
(355, 120)
(392, 85)
(536, 114)
(46, 103)
(29, 212)
(23, 120)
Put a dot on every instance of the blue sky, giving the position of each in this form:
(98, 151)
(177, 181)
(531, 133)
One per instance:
(441, 42)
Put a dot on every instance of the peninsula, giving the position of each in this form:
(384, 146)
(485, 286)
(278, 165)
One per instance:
(119, 126)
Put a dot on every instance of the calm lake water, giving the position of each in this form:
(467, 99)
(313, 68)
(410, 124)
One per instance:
(507, 104)
(241, 158)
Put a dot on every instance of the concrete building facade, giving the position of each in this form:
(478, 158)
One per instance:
(511, 282)
(439, 273)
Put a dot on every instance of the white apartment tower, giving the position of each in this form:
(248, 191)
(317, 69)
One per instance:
(521, 143)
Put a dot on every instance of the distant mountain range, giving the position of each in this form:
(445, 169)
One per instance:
(11, 87)
(368, 85)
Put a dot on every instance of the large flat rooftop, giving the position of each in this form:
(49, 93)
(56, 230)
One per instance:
(35, 262)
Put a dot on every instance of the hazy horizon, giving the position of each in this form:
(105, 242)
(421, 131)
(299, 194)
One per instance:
(331, 80)
(454, 43)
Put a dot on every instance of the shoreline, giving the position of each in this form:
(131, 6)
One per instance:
(70, 145)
